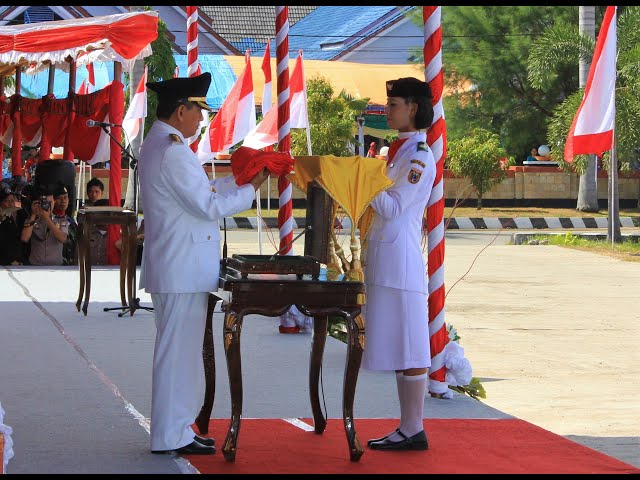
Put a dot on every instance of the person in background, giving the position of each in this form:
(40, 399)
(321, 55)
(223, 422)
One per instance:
(181, 257)
(395, 273)
(45, 232)
(385, 149)
(532, 156)
(10, 245)
(95, 191)
(98, 235)
(60, 206)
(30, 159)
(373, 150)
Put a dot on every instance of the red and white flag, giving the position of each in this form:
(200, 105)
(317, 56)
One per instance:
(592, 127)
(267, 91)
(236, 117)
(137, 112)
(266, 132)
(88, 85)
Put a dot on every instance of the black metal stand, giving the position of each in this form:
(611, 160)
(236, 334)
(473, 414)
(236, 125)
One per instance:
(133, 163)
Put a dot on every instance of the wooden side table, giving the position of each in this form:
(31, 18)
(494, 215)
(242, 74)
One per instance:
(272, 295)
(87, 219)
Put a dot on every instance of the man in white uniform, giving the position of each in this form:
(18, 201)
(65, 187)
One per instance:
(181, 257)
(396, 312)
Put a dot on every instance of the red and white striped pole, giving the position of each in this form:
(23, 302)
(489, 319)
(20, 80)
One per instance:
(193, 66)
(285, 212)
(437, 140)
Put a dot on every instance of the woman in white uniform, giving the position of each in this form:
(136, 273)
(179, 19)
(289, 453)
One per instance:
(396, 312)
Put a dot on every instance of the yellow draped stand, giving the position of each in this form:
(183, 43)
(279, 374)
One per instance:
(352, 182)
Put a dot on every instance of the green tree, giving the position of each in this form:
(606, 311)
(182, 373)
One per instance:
(477, 157)
(562, 46)
(488, 48)
(331, 119)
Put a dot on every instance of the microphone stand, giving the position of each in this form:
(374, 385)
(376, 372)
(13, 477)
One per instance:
(133, 163)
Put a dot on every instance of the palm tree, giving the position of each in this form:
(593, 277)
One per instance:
(563, 45)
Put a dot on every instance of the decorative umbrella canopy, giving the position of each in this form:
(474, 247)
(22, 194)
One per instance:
(122, 37)
(352, 182)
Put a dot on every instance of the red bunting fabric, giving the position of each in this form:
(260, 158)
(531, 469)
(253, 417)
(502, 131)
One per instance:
(246, 162)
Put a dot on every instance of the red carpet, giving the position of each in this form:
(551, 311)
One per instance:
(269, 446)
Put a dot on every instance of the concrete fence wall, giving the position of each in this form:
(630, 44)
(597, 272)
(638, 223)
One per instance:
(521, 184)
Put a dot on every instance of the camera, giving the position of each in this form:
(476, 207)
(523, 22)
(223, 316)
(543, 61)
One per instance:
(45, 204)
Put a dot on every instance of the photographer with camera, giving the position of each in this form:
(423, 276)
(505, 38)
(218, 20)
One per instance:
(46, 233)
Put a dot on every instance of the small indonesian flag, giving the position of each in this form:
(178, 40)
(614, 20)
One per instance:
(137, 112)
(592, 127)
(236, 117)
(266, 132)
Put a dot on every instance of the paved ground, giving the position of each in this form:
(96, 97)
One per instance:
(552, 334)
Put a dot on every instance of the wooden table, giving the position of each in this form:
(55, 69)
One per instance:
(273, 295)
(87, 219)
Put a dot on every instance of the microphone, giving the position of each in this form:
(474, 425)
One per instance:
(93, 123)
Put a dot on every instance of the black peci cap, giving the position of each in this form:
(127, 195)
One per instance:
(408, 87)
(193, 89)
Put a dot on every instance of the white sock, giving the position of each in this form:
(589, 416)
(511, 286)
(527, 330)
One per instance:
(412, 408)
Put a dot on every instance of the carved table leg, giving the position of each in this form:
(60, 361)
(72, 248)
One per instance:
(208, 356)
(81, 254)
(87, 264)
(355, 331)
(320, 323)
(231, 334)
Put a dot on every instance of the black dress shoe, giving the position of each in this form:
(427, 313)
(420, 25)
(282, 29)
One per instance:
(416, 442)
(373, 440)
(194, 448)
(209, 442)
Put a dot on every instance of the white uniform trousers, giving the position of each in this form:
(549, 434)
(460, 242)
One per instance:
(178, 381)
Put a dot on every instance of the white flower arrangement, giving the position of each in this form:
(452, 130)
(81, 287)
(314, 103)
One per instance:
(8, 443)
(459, 374)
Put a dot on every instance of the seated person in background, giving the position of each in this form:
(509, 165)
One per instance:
(30, 158)
(98, 237)
(532, 156)
(373, 150)
(45, 232)
(140, 240)
(60, 206)
(95, 190)
(10, 245)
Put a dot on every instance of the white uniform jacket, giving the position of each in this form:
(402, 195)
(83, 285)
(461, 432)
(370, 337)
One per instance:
(182, 209)
(393, 256)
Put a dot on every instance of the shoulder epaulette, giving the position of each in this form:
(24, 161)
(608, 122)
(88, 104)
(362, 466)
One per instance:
(175, 138)
(422, 146)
